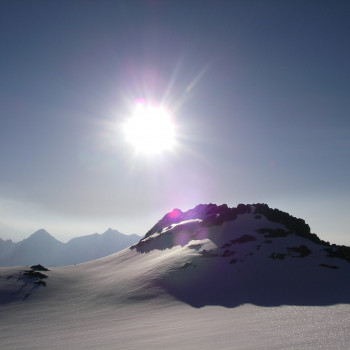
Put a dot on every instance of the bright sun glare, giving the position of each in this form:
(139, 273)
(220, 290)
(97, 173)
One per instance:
(150, 129)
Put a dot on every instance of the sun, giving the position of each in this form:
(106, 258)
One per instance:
(150, 129)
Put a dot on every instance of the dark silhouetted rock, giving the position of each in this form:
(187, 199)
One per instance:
(329, 266)
(243, 239)
(279, 256)
(39, 268)
(40, 283)
(34, 274)
(273, 232)
(303, 250)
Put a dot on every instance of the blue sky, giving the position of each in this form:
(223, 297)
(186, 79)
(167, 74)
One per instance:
(259, 92)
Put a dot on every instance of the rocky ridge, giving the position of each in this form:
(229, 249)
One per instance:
(248, 254)
(209, 215)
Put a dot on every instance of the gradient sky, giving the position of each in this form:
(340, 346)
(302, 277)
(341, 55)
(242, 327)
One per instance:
(259, 91)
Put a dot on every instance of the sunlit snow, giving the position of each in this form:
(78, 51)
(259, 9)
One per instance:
(210, 293)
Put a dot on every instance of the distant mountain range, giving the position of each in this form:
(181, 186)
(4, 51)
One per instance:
(42, 248)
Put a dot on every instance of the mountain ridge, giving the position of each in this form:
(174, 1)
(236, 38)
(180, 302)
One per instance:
(41, 247)
(232, 256)
(215, 215)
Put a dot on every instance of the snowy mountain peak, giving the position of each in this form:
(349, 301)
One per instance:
(213, 230)
(215, 215)
(228, 256)
(201, 212)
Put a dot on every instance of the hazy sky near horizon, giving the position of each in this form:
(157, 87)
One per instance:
(259, 92)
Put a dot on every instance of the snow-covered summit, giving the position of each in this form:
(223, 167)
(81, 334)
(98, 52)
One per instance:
(212, 214)
(229, 256)
(204, 216)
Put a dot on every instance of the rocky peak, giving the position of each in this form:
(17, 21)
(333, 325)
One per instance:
(216, 214)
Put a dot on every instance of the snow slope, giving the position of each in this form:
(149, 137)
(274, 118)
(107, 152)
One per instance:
(209, 279)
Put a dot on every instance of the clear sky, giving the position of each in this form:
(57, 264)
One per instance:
(259, 92)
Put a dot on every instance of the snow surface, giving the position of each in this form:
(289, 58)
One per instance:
(176, 293)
